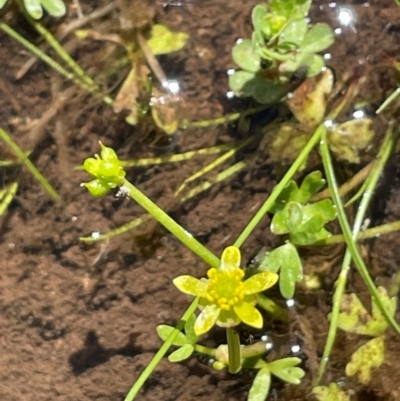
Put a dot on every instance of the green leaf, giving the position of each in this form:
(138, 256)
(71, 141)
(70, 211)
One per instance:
(324, 208)
(164, 332)
(311, 184)
(294, 33)
(287, 259)
(238, 80)
(368, 357)
(33, 8)
(304, 6)
(181, 353)
(164, 41)
(244, 56)
(260, 387)
(283, 7)
(286, 370)
(258, 19)
(56, 8)
(330, 393)
(2, 2)
(309, 238)
(314, 63)
(294, 216)
(318, 38)
(268, 92)
(191, 336)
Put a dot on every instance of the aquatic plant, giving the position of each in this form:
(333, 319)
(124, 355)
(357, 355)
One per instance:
(283, 45)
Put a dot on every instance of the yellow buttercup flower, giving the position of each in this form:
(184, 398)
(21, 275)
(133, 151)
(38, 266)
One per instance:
(225, 299)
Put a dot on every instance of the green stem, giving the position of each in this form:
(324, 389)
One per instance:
(368, 233)
(160, 353)
(372, 182)
(25, 160)
(50, 62)
(234, 356)
(282, 184)
(204, 350)
(171, 225)
(345, 226)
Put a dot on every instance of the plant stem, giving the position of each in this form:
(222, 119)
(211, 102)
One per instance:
(171, 225)
(160, 353)
(204, 350)
(25, 160)
(282, 184)
(368, 233)
(233, 340)
(370, 186)
(350, 242)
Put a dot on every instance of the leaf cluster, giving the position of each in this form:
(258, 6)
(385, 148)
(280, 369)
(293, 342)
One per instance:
(282, 44)
(294, 214)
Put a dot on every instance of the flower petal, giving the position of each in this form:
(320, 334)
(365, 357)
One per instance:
(249, 314)
(191, 285)
(228, 318)
(230, 258)
(206, 319)
(260, 282)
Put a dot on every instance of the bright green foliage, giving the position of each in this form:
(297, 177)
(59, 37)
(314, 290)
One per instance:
(185, 342)
(225, 299)
(282, 42)
(330, 393)
(368, 357)
(285, 369)
(286, 260)
(303, 221)
(107, 170)
(354, 318)
(55, 8)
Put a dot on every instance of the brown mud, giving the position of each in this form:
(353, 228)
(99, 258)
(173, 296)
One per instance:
(77, 322)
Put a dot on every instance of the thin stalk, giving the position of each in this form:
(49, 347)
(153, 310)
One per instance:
(160, 353)
(368, 233)
(372, 182)
(171, 225)
(282, 184)
(204, 350)
(233, 340)
(31, 167)
(345, 226)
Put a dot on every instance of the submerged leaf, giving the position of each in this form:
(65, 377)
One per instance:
(346, 139)
(368, 357)
(308, 102)
(330, 393)
(354, 318)
(318, 38)
(244, 56)
(164, 41)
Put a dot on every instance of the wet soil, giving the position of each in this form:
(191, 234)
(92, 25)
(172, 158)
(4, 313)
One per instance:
(77, 322)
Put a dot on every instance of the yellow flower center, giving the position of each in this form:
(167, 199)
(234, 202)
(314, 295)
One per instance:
(225, 288)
